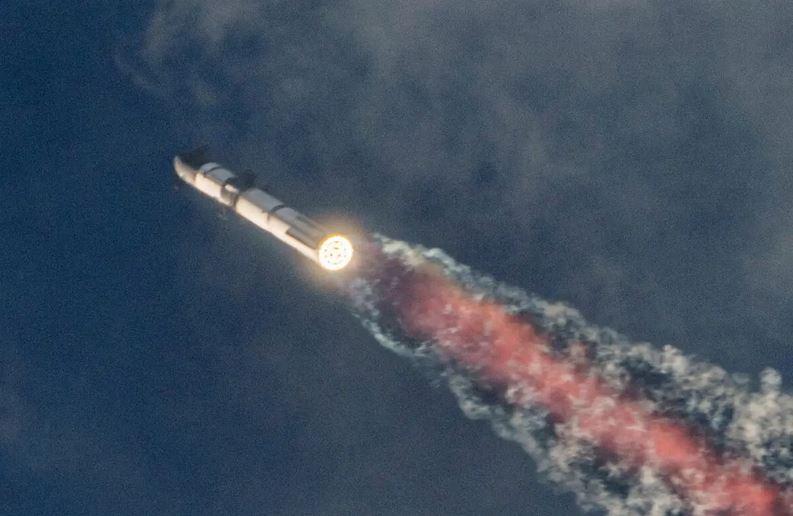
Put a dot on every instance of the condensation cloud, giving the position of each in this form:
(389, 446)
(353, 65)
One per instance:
(630, 156)
(647, 139)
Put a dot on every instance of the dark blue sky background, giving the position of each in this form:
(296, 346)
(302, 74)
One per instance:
(158, 357)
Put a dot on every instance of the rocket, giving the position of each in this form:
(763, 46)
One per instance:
(331, 250)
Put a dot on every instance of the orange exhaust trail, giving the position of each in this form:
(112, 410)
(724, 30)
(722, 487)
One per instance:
(482, 339)
(508, 352)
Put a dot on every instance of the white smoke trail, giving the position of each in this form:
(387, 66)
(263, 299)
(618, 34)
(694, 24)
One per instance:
(754, 427)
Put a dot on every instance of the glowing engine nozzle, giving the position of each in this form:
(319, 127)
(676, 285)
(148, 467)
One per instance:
(335, 252)
(329, 249)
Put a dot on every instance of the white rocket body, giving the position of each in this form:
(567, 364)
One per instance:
(328, 249)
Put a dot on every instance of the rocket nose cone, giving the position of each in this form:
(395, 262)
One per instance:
(187, 164)
(185, 172)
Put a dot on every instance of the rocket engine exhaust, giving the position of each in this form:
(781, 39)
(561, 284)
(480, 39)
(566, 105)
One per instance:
(628, 428)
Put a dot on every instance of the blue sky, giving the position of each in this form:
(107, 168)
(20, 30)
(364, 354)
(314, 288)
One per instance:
(158, 356)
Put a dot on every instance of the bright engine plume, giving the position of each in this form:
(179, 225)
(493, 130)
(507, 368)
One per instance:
(335, 252)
